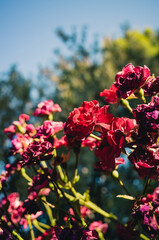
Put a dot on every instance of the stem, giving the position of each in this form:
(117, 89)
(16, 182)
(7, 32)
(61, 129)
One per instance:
(95, 137)
(115, 175)
(12, 232)
(49, 211)
(44, 225)
(25, 175)
(30, 227)
(67, 200)
(61, 172)
(146, 185)
(36, 224)
(17, 235)
(93, 206)
(144, 237)
(76, 163)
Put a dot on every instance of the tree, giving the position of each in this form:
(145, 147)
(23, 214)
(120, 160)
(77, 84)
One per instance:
(86, 71)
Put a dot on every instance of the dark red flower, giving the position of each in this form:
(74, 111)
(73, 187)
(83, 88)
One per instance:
(146, 211)
(145, 161)
(151, 86)
(110, 94)
(37, 151)
(147, 116)
(130, 79)
(40, 181)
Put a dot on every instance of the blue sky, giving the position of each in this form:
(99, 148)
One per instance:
(28, 27)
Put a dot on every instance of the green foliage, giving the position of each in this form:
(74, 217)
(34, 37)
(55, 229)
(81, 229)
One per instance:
(139, 48)
(86, 71)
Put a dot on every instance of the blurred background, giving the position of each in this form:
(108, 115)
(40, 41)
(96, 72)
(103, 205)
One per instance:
(70, 51)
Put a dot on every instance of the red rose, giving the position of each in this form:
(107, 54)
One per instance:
(82, 120)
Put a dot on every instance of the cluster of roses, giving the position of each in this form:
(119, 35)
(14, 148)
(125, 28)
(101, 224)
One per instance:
(87, 126)
(147, 212)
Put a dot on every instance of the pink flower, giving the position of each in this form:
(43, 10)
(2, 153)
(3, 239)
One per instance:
(60, 142)
(98, 225)
(10, 129)
(85, 212)
(20, 143)
(46, 108)
(23, 118)
(49, 128)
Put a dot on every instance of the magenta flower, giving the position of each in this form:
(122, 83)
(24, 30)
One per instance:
(151, 86)
(46, 108)
(147, 213)
(49, 128)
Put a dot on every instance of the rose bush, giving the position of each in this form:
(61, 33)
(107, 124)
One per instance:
(42, 215)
